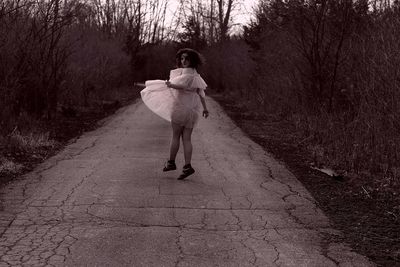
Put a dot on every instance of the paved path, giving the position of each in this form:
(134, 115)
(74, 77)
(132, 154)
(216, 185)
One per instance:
(104, 201)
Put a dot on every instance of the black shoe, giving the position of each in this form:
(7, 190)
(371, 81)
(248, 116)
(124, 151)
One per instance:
(187, 170)
(169, 166)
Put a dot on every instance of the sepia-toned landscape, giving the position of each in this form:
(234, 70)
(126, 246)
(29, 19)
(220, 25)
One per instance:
(316, 84)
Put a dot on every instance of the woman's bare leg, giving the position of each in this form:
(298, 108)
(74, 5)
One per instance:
(177, 131)
(187, 144)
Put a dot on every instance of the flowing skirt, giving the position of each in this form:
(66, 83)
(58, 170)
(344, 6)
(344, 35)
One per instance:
(172, 105)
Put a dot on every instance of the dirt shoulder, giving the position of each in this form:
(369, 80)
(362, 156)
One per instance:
(370, 222)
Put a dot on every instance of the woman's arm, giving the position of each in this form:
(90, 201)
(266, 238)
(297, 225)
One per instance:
(203, 103)
(139, 84)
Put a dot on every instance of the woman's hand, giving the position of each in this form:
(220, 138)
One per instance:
(174, 86)
(205, 113)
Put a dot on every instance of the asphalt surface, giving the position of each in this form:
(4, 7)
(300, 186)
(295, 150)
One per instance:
(104, 201)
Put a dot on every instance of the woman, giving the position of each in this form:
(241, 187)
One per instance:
(180, 100)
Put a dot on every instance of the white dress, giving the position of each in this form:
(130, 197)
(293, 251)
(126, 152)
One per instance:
(182, 107)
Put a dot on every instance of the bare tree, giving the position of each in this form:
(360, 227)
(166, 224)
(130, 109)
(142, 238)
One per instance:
(322, 29)
(213, 16)
(224, 15)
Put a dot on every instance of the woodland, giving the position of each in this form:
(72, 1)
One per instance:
(329, 68)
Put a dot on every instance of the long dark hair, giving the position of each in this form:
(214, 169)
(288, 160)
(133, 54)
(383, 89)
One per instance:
(195, 58)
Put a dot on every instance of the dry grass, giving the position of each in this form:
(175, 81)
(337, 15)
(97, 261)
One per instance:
(29, 142)
(9, 167)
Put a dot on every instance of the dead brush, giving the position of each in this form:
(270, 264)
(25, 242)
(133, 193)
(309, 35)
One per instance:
(9, 167)
(29, 143)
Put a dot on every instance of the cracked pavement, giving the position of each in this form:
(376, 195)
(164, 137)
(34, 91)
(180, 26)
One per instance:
(104, 201)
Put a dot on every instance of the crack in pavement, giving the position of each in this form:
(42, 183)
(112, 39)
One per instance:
(180, 255)
(75, 187)
(253, 260)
